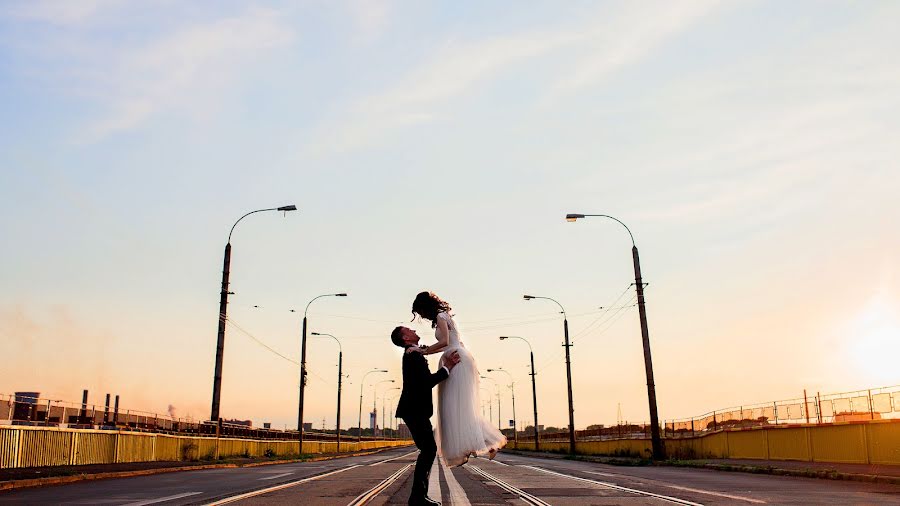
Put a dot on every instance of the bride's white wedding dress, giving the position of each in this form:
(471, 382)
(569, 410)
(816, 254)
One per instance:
(461, 430)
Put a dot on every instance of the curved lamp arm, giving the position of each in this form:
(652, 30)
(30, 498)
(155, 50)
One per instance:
(530, 297)
(574, 217)
(282, 208)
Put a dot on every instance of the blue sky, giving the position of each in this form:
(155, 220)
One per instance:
(750, 146)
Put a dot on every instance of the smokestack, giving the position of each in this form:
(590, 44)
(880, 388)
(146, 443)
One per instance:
(106, 411)
(83, 415)
(116, 411)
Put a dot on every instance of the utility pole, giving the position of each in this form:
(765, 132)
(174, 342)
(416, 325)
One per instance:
(569, 386)
(659, 451)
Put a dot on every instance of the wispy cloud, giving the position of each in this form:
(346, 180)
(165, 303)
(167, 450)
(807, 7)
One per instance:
(58, 12)
(191, 62)
(370, 18)
(609, 40)
(166, 63)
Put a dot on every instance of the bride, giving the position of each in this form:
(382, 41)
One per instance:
(461, 430)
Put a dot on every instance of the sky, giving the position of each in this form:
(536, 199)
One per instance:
(751, 148)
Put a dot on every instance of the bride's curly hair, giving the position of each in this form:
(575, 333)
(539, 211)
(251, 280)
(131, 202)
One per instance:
(428, 306)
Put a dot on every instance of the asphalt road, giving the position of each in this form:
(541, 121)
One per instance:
(384, 478)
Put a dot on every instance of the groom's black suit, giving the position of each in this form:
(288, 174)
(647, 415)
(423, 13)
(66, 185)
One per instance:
(415, 408)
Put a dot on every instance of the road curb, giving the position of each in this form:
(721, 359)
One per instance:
(62, 480)
(822, 474)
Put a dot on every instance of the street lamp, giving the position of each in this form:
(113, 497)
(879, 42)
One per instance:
(361, 384)
(533, 388)
(658, 448)
(337, 429)
(223, 309)
(568, 370)
(303, 364)
(512, 389)
(383, 402)
(489, 404)
(375, 405)
(496, 389)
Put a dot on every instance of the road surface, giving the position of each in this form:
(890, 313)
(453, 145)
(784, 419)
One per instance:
(384, 478)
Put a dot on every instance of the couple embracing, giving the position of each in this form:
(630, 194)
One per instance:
(461, 430)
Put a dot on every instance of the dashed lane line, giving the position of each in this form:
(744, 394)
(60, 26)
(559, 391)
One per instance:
(255, 493)
(275, 477)
(162, 499)
(457, 495)
(718, 494)
(434, 481)
(598, 473)
(370, 494)
(394, 458)
(525, 496)
(617, 487)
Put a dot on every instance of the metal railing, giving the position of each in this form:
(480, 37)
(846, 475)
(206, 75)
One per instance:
(36, 411)
(856, 406)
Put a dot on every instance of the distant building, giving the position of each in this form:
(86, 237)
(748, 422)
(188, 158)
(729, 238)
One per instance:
(307, 427)
(403, 431)
(242, 423)
(373, 419)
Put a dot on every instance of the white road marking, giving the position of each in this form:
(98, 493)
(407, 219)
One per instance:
(394, 458)
(275, 477)
(370, 494)
(434, 481)
(163, 499)
(602, 474)
(255, 493)
(525, 496)
(617, 487)
(718, 494)
(457, 495)
(495, 461)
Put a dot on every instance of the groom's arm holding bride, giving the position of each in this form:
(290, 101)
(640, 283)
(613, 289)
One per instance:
(418, 373)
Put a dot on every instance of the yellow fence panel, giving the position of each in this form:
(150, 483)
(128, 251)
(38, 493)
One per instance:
(839, 443)
(788, 443)
(9, 447)
(94, 448)
(44, 448)
(883, 440)
(747, 444)
(135, 447)
(168, 447)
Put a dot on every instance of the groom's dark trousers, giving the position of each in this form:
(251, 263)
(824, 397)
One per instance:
(415, 408)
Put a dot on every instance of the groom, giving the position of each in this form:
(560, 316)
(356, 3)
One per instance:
(415, 407)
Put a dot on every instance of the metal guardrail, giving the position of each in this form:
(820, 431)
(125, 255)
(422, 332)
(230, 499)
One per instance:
(856, 406)
(41, 412)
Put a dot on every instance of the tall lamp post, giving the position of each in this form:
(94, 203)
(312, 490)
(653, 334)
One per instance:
(303, 364)
(533, 389)
(375, 405)
(490, 405)
(659, 450)
(383, 403)
(496, 389)
(337, 426)
(568, 370)
(512, 389)
(361, 385)
(223, 310)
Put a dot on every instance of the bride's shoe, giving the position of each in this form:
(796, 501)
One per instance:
(492, 453)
